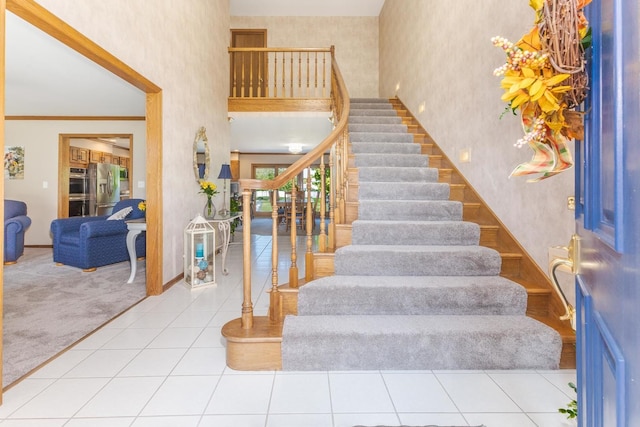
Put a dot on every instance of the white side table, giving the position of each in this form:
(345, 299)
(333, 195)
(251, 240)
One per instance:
(224, 225)
(135, 226)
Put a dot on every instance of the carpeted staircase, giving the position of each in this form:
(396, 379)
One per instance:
(414, 290)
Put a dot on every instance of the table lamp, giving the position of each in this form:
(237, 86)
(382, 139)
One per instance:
(225, 174)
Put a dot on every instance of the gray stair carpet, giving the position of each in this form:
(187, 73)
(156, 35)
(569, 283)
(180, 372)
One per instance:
(414, 290)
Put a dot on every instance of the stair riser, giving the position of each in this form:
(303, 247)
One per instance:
(510, 266)
(397, 299)
(410, 210)
(409, 191)
(371, 106)
(323, 265)
(404, 263)
(417, 342)
(375, 120)
(455, 233)
(381, 137)
(391, 160)
(372, 112)
(384, 147)
(343, 237)
(389, 174)
(377, 127)
(444, 175)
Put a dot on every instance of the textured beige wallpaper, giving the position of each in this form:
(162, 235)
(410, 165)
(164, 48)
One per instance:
(181, 47)
(439, 56)
(355, 39)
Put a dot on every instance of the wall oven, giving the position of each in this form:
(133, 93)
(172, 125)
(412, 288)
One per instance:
(78, 192)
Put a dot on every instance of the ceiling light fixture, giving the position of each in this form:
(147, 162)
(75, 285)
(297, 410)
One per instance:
(295, 148)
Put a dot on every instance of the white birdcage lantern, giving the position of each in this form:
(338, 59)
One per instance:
(199, 253)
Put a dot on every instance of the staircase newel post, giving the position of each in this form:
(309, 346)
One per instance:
(308, 265)
(247, 306)
(275, 302)
(293, 270)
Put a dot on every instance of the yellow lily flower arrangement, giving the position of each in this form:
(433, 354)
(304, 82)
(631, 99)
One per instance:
(535, 87)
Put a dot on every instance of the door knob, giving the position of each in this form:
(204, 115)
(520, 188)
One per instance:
(570, 264)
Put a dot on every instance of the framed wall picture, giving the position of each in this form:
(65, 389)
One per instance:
(14, 162)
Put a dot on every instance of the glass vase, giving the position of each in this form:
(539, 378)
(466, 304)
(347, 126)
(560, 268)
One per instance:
(209, 209)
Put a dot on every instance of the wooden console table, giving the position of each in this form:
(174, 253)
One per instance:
(224, 226)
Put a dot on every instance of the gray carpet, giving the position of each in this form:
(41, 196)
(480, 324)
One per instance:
(414, 290)
(47, 307)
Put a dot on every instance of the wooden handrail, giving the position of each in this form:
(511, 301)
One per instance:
(335, 144)
(313, 155)
(280, 49)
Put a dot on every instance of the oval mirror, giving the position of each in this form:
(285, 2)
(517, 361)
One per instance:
(201, 155)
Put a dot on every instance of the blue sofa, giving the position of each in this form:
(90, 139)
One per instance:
(16, 223)
(91, 242)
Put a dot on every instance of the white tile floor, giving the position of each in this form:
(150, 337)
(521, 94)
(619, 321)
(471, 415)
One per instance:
(162, 363)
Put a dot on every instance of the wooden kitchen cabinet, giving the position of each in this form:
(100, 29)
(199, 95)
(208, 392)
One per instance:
(78, 156)
(100, 157)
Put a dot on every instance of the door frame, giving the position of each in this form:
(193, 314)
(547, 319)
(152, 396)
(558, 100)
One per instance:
(39, 17)
(249, 31)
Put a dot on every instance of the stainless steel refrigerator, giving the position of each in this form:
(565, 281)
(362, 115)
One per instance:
(104, 188)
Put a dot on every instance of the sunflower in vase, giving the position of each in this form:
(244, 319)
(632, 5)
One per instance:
(210, 189)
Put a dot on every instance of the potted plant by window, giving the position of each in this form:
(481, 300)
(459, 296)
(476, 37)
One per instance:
(234, 204)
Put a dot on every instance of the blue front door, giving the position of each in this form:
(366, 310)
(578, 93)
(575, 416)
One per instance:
(608, 222)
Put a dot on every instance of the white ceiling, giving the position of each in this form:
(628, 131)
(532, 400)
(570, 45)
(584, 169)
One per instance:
(305, 7)
(46, 78)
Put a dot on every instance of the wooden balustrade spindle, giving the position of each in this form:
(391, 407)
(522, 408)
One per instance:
(291, 94)
(315, 76)
(266, 74)
(259, 74)
(275, 74)
(322, 239)
(332, 200)
(343, 176)
(309, 226)
(307, 74)
(234, 75)
(284, 77)
(299, 72)
(242, 75)
(293, 270)
(324, 74)
(275, 302)
(250, 71)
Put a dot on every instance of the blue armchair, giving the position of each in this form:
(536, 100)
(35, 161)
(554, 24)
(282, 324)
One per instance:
(16, 223)
(91, 242)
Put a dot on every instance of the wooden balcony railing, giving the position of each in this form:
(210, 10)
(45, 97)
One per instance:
(333, 147)
(280, 79)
